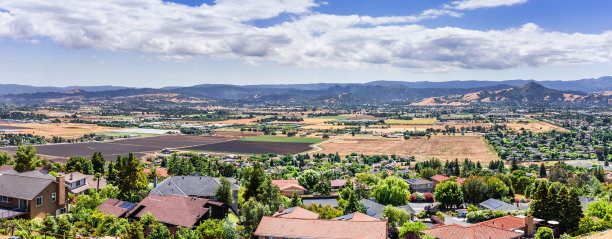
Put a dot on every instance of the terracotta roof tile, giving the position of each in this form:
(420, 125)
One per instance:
(454, 231)
(285, 184)
(297, 212)
(321, 229)
(439, 178)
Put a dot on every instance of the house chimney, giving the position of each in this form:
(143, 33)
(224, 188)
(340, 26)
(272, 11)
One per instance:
(281, 208)
(71, 177)
(61, 190)
(529, 226)
(155, 182)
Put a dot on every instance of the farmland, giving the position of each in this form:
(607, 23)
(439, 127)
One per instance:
(66, 130)
(442, 147)
(533, 125)
(252, 147)
(283, 139)
(415, 121)
(110, 149)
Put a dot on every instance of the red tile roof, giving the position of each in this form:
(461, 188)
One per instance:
(439, 178)
(338, 182)
(321, 229)
(506, 222)
(173, 209)
(454, 231)
(360, 217)
(162, 172)
(286, 184)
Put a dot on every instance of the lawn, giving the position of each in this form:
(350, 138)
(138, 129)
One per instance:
(414, 121)
(282, 139)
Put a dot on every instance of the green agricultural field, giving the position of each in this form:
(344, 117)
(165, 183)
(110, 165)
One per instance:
(282, 139)
(418, 121)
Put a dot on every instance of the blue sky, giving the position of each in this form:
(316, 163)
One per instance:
(149, 43)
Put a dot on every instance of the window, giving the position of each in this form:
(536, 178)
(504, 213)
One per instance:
(39, 201)
(5, 199)
(53, 197)
(78, 183)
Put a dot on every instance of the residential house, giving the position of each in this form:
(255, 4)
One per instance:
(174, 210)
(375, 209)
(288, 187)
(79, 183)
(194, 186)
(281, 227)
(295, 212)
(497, 205)
(507, 227)
(420, 185)
(337, 183)
(323, 201)
(116, 207)
(31, 194)
(438, 179)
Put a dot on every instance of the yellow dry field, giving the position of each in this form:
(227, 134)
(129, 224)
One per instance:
(535, 126)
(66, 130)
(442, 147)
(234, 121)
(601, 235)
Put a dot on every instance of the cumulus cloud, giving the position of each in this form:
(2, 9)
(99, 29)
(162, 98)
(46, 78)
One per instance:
(224, 31)
(474, 4)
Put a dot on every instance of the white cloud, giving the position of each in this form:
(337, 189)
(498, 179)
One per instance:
(474, 4)
(177, 32)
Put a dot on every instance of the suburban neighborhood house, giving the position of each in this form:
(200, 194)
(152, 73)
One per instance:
(301, 223)
(79, 183)
(194, 186)
(420, 185)
(438, 179)
(288, 187)
(507, 227)
(31, 194)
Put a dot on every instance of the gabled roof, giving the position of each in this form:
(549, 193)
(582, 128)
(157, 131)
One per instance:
(321, 229)
(508, 222)
(286, 184)
(454, 231)
(200, 186)
(375, 209)
(439, 178)
(74, 176)
(324, 201)
(497, 205)
(115, 207)
(357, 216)
(338, 183)
(297, 212)
(418, 181)
(173, 209)
(26, 185)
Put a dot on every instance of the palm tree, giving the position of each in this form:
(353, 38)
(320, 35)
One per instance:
(97, 179)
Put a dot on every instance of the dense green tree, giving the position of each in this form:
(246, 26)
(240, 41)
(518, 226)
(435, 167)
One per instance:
(448, 194)
(544, 233)
(496, 188)
(396, 216)
(554, 204)
(539, 204)
(427, 173)
(130, 176)
(49, 224)
(474, 189)
(324, 187)
(159, 231)
(224, 192)
(4, 158)
(111, 174)
(187, 233)
(542, 171)
(25, 158)
(559, 173)
(79, 164)
(599, 208)
(353, 204)
(296, 201)
(229, 229)
(414, 228)
(252, 212)
(253, 180)
(64, 227)
(392, 191)
(309, 179)
(571, 211)
(98, 162)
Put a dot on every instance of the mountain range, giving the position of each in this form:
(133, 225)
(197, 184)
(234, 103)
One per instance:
(595, 91)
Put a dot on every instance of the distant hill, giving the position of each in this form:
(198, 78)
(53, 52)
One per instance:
(6, 89)
(530, 93)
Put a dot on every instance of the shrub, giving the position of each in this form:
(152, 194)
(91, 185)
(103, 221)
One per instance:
(544, 233)
(413, 198)
(523, 200)
(472, 208)
(483, 215)
(429, 197)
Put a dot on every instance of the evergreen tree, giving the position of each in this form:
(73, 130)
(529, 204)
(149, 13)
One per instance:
(130, 176)
(539, 205)
(474, 189)
(354, 205)
(111, 174)
(49, 224)
(542, 171)
(554, 204)
(514, 165)
(224, 192)
(296, 201)
(25, 158)
(63, 226)
(571, 212)
(253, 181)
(98, 162)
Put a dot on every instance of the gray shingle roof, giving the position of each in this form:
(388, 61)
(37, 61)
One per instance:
(375, 209)
(333, 202)
(497, 205)
(23, 185)
(200, 186)
(418, 181)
